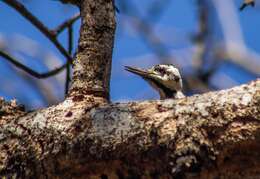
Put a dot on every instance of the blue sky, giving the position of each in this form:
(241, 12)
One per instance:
(175, 27)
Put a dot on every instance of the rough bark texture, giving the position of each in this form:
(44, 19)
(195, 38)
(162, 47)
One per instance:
(92, 66)
(213, 135)
(209, 135)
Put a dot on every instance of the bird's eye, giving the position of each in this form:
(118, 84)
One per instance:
(160, 70)
(176, 78)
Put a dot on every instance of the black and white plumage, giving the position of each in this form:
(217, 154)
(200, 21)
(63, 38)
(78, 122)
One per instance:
(164, 78)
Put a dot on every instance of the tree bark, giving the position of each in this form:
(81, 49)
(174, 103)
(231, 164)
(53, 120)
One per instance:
(213, 135)
(199, 136)
(92, 66)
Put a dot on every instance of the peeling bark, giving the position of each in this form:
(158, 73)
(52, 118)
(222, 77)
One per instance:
(213, 135)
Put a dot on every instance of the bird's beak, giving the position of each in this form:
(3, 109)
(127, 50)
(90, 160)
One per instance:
(137, 71)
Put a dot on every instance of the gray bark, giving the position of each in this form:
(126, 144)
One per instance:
(211, 135)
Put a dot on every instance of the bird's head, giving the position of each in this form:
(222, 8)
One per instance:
(165, 78)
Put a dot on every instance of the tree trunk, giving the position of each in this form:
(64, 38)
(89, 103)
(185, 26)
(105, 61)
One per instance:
(213, 135)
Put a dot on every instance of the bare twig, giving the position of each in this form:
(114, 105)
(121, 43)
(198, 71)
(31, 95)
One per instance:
(204, 43)
(38, 24)
(43, 92)
(66, 24)
(70, 48)
(29, 70)
(200, 38)
(51, 35)
(248, 61)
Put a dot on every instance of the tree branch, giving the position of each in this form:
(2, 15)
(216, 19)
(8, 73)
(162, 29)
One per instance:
(249, 62)
(66, 24)
(192, 136)
(85, 137)
(29, 70)
(70, 48)
(38, 24)
(92, 68)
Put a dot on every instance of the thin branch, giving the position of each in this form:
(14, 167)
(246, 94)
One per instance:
(29, 70)
(66, 24)
(248, 61)
(70, 48)
(204, 43)
(43, 92)
(201, 37)
(70, 39)
(38, 24)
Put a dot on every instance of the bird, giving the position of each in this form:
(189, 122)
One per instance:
(164, 78)
(246, 3)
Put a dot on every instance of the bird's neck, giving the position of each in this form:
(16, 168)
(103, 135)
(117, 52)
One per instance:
(164, 91)
(166, 94)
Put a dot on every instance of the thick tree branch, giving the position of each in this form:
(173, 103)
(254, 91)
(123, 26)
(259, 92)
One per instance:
(92, 68)
(193, 136)
(84, 137)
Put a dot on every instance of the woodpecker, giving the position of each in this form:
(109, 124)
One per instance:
(164, 78)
